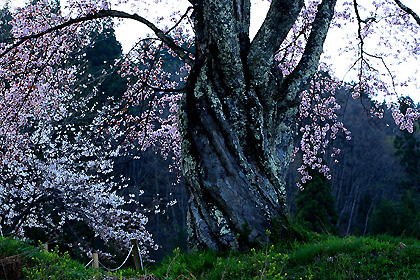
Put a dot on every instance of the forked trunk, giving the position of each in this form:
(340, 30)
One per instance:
(237, 121)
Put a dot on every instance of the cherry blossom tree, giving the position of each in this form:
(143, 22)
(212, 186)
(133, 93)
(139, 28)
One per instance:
(54, 174)
(231, 128)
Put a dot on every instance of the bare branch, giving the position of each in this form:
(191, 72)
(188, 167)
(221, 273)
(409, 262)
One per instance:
(386, 67)
(362, 42)
(183, 54)
(359, 19)
(408, 11)
(362, 59)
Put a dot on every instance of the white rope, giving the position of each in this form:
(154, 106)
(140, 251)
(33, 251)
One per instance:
(89, 263)
(109, 269)
(141, 259)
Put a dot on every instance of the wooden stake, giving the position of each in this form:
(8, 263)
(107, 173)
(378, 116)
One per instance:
(95, 262)
(136, 253)
(1, 231)
(45, 248)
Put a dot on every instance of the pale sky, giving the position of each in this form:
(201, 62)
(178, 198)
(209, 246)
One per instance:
(129, 31)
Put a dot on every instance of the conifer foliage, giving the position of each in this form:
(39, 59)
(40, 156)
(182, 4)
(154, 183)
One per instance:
(316, 206)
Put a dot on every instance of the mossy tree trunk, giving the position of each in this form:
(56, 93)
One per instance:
(238, 118)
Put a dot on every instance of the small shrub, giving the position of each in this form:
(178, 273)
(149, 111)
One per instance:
(11, 267)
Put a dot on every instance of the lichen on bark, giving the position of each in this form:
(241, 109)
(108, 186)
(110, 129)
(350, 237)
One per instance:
(237, 121)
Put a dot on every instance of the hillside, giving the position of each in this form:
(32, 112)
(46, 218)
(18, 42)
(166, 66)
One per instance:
(320, 257)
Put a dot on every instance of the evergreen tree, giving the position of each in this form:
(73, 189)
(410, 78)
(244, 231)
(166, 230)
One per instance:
(409, 216)
(399, 218)
(316, 206)
(407, 148)
(385, 219)
(407, 220)
(97, 68)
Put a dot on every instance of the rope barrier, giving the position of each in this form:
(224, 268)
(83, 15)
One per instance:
(89, 263)
(109, 269)
(115, 269)
(141, 259)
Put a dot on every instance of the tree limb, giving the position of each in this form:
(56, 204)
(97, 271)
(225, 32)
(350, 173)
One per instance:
(313, 50)
(165, 89)
(279, 20)
(223, 42)
(183, 54)
(408, 11)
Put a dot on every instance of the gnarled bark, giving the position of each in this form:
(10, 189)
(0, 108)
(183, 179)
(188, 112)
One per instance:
(237, 120)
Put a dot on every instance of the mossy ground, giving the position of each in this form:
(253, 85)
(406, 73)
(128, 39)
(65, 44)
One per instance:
(319, 257)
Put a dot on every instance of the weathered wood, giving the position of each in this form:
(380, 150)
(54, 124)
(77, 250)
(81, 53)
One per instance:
(45, 247)
(95, 260)
(136, 254)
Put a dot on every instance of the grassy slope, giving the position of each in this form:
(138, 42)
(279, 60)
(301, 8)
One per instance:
(323, 257)
(40, 265)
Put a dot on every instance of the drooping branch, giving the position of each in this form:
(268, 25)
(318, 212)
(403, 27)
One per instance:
(361, 43)
(313, 50)
(408, 11)
(183, 54)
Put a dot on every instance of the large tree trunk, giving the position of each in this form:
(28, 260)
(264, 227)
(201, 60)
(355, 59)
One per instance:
(237, 121)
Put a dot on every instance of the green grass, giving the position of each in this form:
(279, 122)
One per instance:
(324, 257)
(42, 265)
(320, 257)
